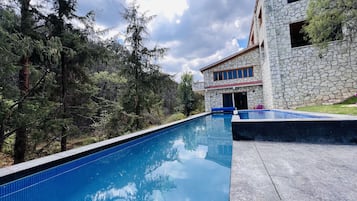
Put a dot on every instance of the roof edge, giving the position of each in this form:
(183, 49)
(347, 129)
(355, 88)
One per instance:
(248, 49)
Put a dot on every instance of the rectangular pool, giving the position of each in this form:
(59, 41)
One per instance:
(189, 161)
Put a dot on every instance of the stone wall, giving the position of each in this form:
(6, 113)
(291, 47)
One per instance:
(214, 98)
(248, 59)
(291, 77)
(302, 75)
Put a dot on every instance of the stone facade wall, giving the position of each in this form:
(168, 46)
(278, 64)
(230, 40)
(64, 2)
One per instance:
(301, 75)
(214, 98)
(291, 77)
(248, 59)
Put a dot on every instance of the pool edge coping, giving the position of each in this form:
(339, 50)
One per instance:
(14, 172)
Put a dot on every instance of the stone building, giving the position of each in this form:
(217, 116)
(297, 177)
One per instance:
(279, 68)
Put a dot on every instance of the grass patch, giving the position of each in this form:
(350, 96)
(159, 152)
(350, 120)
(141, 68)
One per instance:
(350, 100)
(332, 109)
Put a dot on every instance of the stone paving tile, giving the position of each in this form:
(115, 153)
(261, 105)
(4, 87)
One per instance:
(249, 179)
(295, 171)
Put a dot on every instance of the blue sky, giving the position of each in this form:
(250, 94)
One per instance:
(197, 32)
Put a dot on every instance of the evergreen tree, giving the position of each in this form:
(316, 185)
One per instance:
(8, 71)
(24, 82)
(72, 72)
(140, 69)
(327, 18)
(22, 44)
(186, 94)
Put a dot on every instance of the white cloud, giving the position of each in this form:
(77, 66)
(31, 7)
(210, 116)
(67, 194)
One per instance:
(127, 192)
(242, 25)
(171, 10)
(197, 33)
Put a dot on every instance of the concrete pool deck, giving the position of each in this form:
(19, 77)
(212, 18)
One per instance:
(269, 171)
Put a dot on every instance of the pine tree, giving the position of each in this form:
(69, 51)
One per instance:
(72, 72)
(139, 70)
(327, 18)
(24, 82)
(186, 94)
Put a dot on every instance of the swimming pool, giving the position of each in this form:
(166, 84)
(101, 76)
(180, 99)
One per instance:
(274, 114)
(190, 161)
(293, 126)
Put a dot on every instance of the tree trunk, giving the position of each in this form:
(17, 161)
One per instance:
(137, 100)
(20, 145)
(21, 136)
(64, 102)
(2, 133)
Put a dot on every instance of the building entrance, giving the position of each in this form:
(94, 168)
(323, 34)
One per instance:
(238, 100)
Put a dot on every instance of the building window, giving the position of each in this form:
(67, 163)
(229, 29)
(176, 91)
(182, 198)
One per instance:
(297, 36)
(233, 74)
(250, 72)
(230, 74)
(290, 1)
(245, 72)
(239, 74)
(215, 76)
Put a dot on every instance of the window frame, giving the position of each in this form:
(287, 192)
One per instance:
(292, 1)
(297, 38)
(244, 72)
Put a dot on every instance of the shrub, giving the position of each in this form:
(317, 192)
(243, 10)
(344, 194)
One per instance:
(175, 117)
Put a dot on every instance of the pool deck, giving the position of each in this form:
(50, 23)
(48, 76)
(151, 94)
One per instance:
(269, 171)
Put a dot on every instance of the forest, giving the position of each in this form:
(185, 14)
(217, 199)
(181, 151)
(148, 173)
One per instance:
(62, 86)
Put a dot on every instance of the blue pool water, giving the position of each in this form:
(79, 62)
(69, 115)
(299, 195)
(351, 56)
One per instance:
(188, 162)
(273, 114)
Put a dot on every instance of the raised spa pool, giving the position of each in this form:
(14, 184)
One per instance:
(275, 114)
(293, 126)
(190, 161)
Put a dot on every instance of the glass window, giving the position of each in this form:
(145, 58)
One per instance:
(220, 76)
(234, 74)
(245, 72)
(215, 76)
(225, 75)
(250, 72)
(240, 73)
(230, 74)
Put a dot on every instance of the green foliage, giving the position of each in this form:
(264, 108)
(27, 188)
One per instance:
(327, 17)
(175, 117)
(118, 122)
(108, 84)
(333, 109)
(186, 94)
(139, 69)
(8, 147)
(351, 100)
(79, 88)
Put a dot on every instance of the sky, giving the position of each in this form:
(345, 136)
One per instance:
(196, 32)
